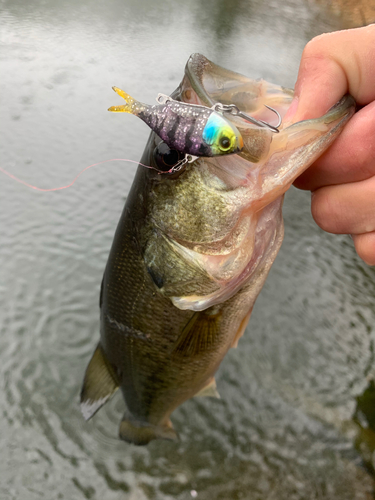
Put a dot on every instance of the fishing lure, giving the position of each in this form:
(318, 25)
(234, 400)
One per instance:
(189, 128)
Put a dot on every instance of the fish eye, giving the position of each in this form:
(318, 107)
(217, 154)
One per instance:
(165, 157)
(224, 143)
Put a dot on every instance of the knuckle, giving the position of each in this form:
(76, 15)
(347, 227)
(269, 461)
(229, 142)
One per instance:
(310, 48)
(316, 47)
(364, 150)
(324, 210)
(365, 247)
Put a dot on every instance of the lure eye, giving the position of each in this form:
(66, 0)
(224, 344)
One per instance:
(165, 157)
(225, 143)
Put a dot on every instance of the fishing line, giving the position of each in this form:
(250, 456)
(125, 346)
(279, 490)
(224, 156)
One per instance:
(76, 177)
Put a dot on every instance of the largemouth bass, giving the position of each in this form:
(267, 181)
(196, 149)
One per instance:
(192, 251)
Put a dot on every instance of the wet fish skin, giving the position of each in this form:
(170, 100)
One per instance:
(190, 255)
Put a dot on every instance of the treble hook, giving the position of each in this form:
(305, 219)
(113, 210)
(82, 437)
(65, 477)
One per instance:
(234, 110)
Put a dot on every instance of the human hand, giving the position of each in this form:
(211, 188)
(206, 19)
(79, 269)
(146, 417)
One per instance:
(342, 181)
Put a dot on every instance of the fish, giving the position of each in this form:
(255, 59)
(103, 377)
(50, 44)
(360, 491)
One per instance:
(188, 128)
(192, 251)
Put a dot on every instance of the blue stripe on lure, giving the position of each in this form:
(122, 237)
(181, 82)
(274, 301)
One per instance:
(188, 128)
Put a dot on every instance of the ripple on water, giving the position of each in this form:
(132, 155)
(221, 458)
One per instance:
(67, 331)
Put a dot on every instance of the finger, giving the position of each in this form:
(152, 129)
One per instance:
(345, 208)
(351, 157)
(365, 247)
(332, 65)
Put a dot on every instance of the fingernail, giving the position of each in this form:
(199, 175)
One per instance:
(291, 110)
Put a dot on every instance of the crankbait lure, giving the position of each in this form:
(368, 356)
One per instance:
(189, 128)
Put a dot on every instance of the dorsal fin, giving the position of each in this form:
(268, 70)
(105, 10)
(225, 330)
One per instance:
(99, 384)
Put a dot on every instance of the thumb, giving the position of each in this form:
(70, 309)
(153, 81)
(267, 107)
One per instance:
(332, 65)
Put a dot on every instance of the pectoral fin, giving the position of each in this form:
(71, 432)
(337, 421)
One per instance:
(99, 384)
(141, 433)
(198, 335)
(209, 391)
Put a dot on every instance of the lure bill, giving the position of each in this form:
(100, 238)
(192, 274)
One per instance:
(188, 128)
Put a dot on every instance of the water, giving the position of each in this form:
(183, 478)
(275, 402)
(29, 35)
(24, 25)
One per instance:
(295, 420)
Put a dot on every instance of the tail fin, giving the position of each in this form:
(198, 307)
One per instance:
(141, 433)
(132, 106)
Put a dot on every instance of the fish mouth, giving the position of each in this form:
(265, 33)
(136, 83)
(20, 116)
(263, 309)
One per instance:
(208, 84)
